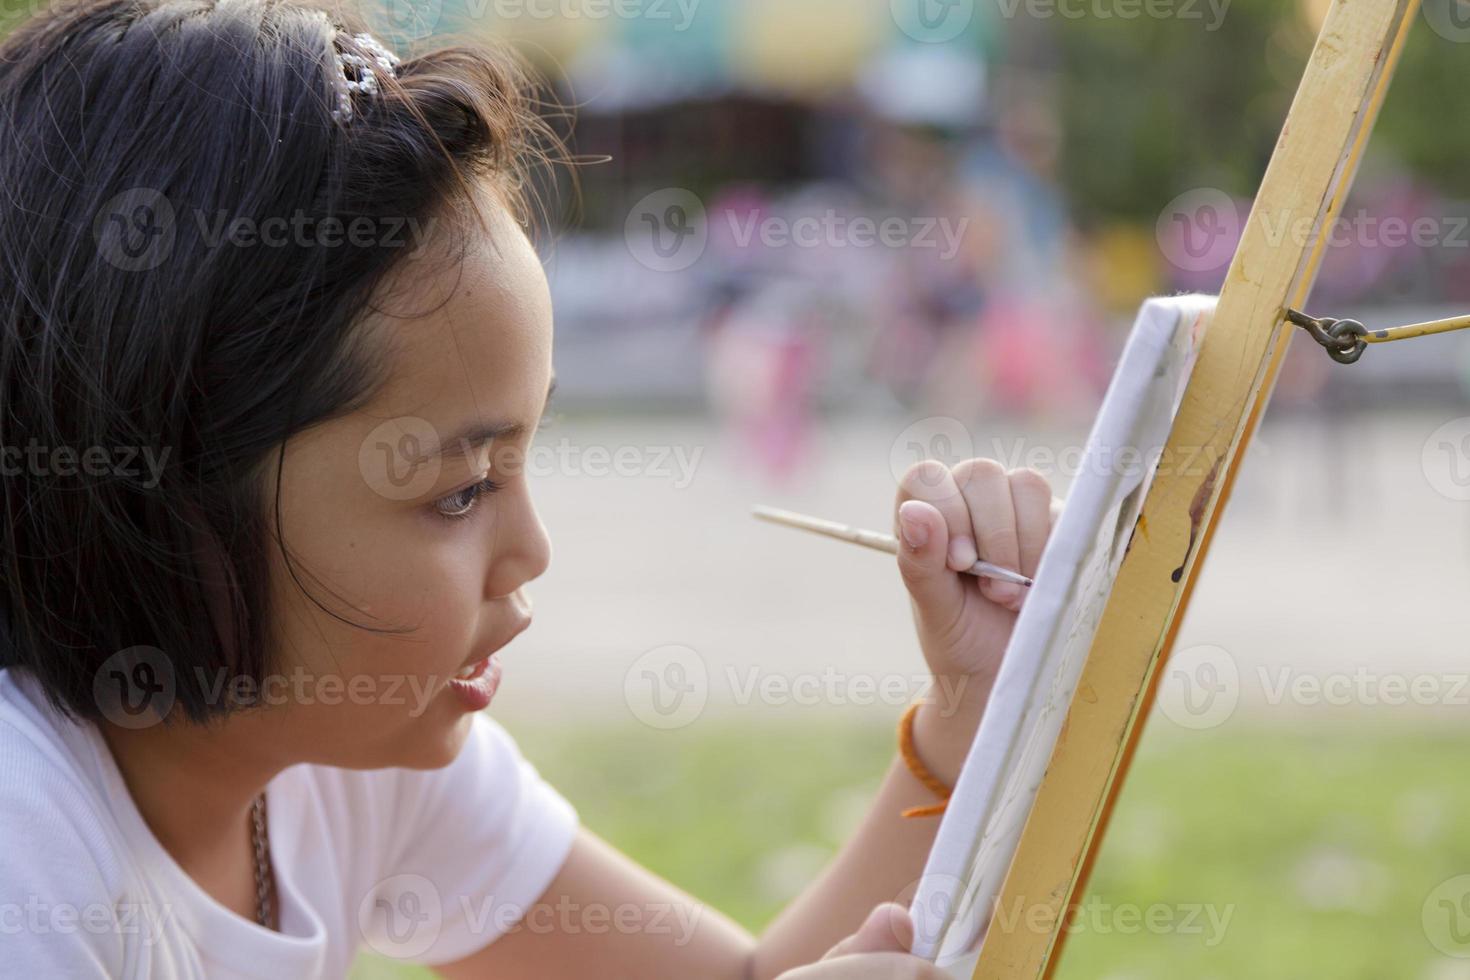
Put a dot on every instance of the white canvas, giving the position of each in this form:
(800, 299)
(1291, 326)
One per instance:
(997, 786)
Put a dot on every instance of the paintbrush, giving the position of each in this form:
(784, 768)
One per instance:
(874, 539)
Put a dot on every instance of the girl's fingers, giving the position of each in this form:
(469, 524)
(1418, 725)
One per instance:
(932, 482)
(976, 510)
(987, 492)
(923, 543)
(1032, 502)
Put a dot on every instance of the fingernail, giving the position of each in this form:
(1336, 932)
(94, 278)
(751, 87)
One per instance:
(915, 534)
(962, 553)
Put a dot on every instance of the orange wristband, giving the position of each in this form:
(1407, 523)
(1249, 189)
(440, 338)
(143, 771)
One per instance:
(916, 766)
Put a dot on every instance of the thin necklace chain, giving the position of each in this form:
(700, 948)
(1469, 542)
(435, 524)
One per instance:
(264, 879)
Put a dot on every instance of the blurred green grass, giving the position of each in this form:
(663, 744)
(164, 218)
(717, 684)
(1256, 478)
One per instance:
(1314, 851)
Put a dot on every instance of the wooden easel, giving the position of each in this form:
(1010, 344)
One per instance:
(1308, 177)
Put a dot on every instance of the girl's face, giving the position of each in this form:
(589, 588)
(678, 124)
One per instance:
(413, 514)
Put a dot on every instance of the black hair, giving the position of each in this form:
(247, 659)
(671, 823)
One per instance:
(135, 132)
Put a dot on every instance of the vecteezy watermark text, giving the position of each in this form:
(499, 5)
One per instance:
(668, 687)
(833, 230)
(403, 916)
(37, 917)
(678, 14)
(1209, 12)
(34, 459)
(138, 687)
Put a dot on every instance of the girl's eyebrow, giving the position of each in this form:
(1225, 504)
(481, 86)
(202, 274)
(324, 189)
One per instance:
(477, 434)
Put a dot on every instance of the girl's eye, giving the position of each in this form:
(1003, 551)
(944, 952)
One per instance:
(460, 504)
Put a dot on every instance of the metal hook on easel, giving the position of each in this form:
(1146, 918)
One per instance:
(1345, 340)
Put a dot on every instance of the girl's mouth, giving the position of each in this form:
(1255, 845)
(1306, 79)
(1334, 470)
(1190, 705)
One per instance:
(473, 670)
(475, 685)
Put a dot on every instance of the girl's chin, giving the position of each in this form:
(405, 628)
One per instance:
(431, 741)
(438, 744)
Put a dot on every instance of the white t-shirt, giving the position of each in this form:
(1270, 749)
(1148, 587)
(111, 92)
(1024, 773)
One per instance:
(423, 865)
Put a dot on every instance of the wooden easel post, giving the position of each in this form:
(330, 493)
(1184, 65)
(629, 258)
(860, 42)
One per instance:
(1273, 269)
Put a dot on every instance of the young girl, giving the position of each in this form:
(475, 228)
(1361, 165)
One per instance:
(274, 346)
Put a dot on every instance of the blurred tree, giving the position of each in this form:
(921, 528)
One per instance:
(1434, 73)
(1155, 106)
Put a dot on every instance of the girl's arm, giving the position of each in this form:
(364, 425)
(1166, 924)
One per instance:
(963, 633)
(604, 916)
(883, 859)
(608, 918)
(946, 519)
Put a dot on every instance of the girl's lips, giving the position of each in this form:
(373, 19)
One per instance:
(476, 688)
(476, 691)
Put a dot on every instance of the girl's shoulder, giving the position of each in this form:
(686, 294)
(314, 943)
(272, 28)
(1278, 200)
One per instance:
(64, 882)
(51, 793)
(416, 826)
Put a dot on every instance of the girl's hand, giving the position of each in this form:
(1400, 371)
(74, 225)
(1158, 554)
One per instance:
(945, 520)
(877, 951)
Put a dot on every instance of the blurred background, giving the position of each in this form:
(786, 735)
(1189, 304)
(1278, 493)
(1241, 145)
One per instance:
(817, 240)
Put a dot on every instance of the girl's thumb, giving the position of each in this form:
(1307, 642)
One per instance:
(923, 546)
(888, 929)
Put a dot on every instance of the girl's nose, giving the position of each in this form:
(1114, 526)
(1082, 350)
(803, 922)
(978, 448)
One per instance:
(522, 549)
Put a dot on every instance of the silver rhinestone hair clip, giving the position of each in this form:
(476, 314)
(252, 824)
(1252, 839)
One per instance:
(360, 74)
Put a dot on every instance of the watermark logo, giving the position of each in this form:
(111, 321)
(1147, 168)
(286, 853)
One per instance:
(940, 438)
(401, 917)
(667, 231)
(1198, 230)
(1445, 459)
(931, 899)
(299, 686)
(1200, 687)
(398, 458)
(135, 229)
(400, 22)
(1450, 19)
(932, 21)
(1446, 917)
(667, 687)
(135, 688)
(138, 229)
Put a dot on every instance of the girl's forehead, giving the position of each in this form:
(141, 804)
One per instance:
(471, 346)
(481, 327)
